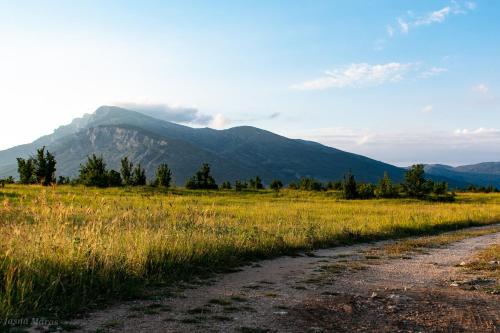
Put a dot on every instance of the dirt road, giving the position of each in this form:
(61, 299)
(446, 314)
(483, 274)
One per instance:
(334, 290)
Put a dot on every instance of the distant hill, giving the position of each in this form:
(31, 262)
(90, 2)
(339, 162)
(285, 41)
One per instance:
(486, 168)
(482, 174)
(235, 153)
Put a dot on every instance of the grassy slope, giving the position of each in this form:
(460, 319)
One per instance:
(63, 248)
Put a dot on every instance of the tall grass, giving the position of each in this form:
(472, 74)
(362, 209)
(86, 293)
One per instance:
(65, 248)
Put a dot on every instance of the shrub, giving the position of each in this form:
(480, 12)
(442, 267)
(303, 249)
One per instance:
(337, 186)
(63, 180)
(226, 185)
(310, 184)
(202, 179)
(256, 183)
(276, 185)
(366, 191)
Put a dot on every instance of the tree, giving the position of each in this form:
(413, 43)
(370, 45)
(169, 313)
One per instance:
(114, 178)
(202, 179)
(63, 180)
(45, 167)
(276, 185)
(126, 170)
(9, 180)
(385, 189)
(365, 191)
(349, 188)
(336, 186)
(26, 170)
(256, 183)
(440, 188)
(415, 185)
(239, 185)
(40, 169)
(94, 172)
(310, 184)
(138, 176)
(226, 185)
(163, 176)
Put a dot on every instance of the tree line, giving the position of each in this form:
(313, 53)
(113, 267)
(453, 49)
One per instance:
(41, 168)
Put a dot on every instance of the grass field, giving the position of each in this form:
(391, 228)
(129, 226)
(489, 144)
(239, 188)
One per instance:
(65, 248)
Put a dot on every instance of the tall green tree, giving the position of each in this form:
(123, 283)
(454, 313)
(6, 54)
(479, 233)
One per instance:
(138, 176)
(93, 172)
(385, 188)
(26, 170)
(415, 184)
(349, 187)
(202, 179)
(114, 178)
(163, 175)
(45, 167)
(126, 170)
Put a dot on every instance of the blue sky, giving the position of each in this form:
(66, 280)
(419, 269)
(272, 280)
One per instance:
(399, 81)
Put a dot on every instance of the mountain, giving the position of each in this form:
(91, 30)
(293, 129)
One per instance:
(486, 168)
(236, 153)
(482, 174)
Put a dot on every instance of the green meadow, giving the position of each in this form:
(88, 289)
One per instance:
(66, 248)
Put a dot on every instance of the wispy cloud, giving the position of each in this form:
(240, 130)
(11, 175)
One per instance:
(410, 21)
(434, 71)
(404, 26)
(357, 75)
(427, 109)
(481, 88)
(364, 75)
(480, 132)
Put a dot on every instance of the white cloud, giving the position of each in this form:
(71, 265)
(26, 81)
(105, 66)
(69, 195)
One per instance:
(390, 30)
(478, 132)
(219, 121)
(365, 75)
(409, 21)
(404, 27)
(434, 71)
(427, 109)
(437, 16)
(357, 75)
(481, 88)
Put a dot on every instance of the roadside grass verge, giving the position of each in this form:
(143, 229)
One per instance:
(421, 244)
(67, 249)
(486, 263)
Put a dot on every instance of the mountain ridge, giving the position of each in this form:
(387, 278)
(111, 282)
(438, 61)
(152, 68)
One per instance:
(239, 152)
